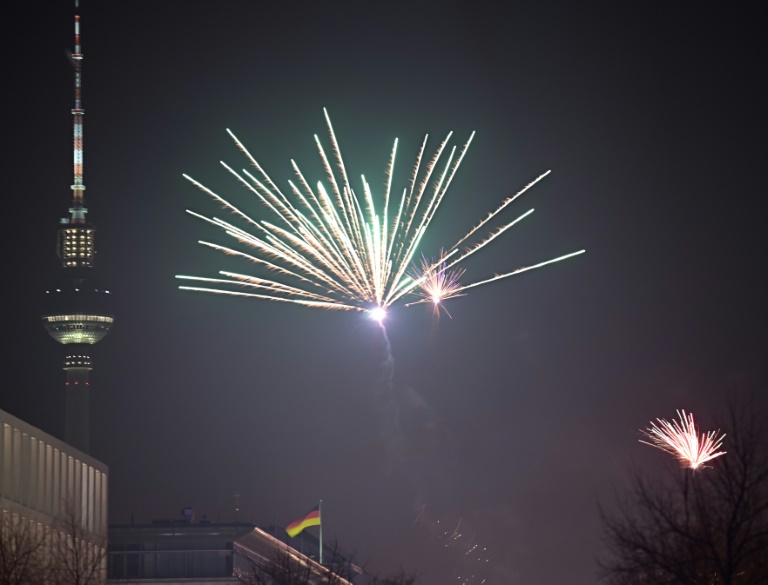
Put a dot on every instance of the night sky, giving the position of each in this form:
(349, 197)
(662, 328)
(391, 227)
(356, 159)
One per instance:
(519, 414)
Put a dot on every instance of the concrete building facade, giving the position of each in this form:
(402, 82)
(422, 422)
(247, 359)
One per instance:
(52, 490)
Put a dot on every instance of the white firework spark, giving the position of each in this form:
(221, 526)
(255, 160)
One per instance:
(338, 250)
(682, 440)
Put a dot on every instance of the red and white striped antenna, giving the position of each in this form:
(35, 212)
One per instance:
(78, 210)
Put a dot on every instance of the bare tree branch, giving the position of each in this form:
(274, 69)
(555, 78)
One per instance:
(706, 527)
(22, 556)
(77, 556)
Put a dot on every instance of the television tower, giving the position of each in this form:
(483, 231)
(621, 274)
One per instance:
(76, 309)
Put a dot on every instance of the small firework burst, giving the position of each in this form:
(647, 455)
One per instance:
(682, 439)
(436, 283)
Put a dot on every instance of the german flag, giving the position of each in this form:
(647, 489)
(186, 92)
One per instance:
(312, 518)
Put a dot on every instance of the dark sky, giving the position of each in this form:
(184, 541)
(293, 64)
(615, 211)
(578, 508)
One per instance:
(519, 414)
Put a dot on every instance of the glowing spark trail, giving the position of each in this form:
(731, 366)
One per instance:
(681, 439)
(338, 250)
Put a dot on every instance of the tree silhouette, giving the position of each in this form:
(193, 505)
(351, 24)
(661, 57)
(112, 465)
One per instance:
(22, 556)
(77, 556)
(60, 553)
(704, 527)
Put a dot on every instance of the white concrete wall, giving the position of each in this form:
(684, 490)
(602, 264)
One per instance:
(44, 479)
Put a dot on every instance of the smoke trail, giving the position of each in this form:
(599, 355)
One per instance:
(386, 403)
(419, 456)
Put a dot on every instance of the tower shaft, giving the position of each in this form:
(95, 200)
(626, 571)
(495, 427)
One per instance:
(77, 422)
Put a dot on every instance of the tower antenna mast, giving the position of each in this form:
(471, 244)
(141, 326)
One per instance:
(78, 210)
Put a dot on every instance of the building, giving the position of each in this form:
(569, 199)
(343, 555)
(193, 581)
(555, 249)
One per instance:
(185, 550)
(77, 308)
(53, 495)
(177, 550)
(267, 552)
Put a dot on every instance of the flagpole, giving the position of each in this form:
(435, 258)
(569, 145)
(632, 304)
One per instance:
(320, 510)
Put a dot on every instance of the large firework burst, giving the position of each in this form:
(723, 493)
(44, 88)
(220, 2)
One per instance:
(682, 439)
(335, 249)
